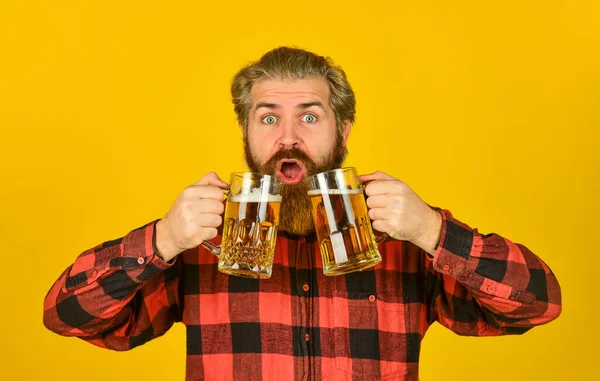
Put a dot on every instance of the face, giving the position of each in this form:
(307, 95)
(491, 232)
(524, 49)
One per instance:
(292, 134)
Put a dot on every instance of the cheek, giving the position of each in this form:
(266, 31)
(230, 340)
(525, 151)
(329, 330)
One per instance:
(260, 145)
(323, 143)
(322, 148)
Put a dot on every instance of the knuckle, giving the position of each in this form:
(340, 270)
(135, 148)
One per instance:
(187, 235)
(187, 216)
(187, 193)
(395, 224)
(398, 203)
(401, 186)
(187, 205)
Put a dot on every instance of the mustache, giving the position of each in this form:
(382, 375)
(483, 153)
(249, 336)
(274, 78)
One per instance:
(290, 153)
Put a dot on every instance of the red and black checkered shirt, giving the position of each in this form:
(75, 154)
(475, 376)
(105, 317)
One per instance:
(299, 323)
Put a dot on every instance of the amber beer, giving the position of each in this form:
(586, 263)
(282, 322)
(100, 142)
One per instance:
(344, 230)
(249, 226)
(249, 234)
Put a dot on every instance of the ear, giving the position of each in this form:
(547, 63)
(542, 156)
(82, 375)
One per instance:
(346, 131)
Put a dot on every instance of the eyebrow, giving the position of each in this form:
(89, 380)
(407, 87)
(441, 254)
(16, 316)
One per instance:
(310, 104)
(302, 106)
(266, 105)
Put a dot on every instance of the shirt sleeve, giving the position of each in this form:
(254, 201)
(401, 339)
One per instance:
(485, 285)
(117, 295)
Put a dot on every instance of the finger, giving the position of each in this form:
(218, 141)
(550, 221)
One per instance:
(211, 178)
(390, 187)
(378, 187)
(381, 226)
(210, 233)
(210, 205)
(378, 201)
(210, 220)
(376, 214)
(375, 176)
(206, 192)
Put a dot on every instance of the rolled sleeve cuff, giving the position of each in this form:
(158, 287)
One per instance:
(138, 250)
(458, 255)
(133, 253)
(455, 246)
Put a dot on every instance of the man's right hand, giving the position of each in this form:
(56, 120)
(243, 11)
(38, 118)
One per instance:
(193, 217)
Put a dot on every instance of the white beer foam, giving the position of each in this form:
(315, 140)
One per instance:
(316, 192)
(255, 195)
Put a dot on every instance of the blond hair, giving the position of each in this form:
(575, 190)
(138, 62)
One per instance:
(292, 63)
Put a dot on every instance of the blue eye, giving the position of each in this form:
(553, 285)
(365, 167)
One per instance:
(270, 119)
(309, 118)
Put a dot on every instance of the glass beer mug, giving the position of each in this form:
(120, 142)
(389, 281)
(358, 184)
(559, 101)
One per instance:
(342, 222)
(249, 226)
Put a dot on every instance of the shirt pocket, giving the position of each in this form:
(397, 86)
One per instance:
(370, 335)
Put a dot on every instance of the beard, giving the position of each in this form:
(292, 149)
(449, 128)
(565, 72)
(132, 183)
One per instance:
(295, 216)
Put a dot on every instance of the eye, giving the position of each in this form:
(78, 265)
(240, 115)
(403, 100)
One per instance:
(309, 118)
(269, 119)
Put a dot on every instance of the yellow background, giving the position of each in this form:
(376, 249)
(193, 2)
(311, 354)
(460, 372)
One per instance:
(108, 109)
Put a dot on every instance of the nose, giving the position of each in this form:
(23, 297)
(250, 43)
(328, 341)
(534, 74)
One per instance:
(289, 135)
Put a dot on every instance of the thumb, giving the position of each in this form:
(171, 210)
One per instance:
(375, 176)
(212, 178)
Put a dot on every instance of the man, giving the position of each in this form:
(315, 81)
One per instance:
(296, 110)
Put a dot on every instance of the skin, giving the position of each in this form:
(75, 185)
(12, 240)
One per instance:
(280, 119)
(288, 114)
(397, 210)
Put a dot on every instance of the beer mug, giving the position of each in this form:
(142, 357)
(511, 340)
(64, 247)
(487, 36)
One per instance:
(249, 226)
(342, 222)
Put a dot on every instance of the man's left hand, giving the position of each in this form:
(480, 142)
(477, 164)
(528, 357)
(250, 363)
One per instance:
(398, 211)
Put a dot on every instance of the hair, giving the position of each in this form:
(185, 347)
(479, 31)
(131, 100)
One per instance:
(292, 63)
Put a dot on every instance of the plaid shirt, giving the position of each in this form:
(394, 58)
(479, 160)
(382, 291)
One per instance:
(300, 323)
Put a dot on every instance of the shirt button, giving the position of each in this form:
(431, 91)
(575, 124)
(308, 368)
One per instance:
(306, 337)
(491, 288)
(141, 260)
(305, 287)
(372, 298)
(446, 267)
(94, 273)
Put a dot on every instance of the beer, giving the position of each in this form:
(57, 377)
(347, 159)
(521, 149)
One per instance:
(344, 230)
(249, 235)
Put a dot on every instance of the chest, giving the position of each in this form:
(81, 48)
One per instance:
(370, 321)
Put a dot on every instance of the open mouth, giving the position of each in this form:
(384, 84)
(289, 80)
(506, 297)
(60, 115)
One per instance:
(290, 171)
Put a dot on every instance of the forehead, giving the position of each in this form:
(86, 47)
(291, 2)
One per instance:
(291, 91)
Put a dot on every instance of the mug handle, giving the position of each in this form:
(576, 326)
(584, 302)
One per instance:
(380, 238)
(214, 249)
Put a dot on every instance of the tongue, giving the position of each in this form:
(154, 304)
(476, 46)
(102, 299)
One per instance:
(290, 170)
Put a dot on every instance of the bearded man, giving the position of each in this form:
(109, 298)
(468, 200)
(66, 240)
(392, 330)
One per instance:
(296, 110)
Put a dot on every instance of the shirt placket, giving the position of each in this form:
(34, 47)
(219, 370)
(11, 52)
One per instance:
(304, 264)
